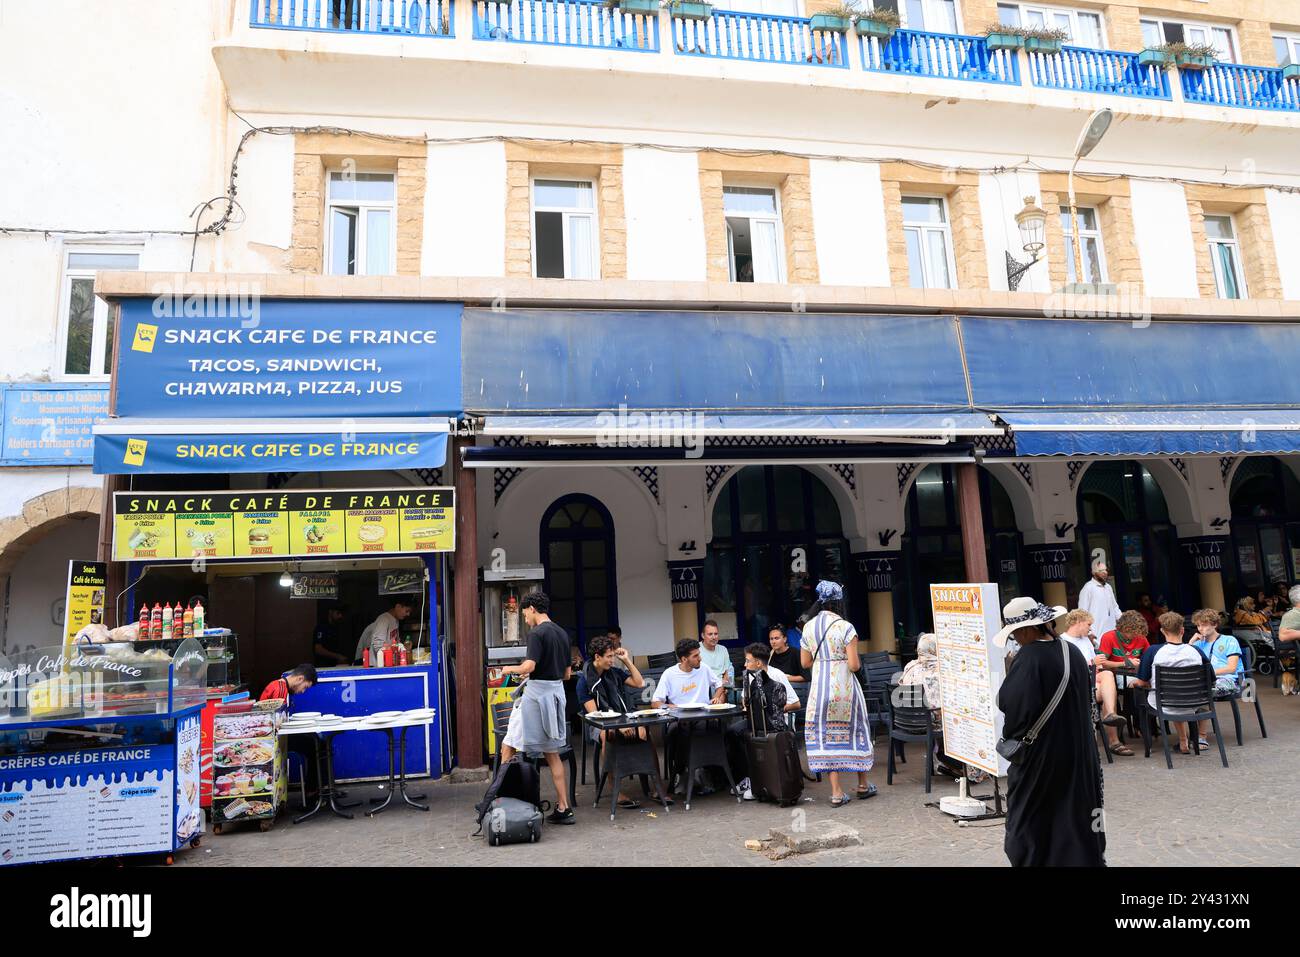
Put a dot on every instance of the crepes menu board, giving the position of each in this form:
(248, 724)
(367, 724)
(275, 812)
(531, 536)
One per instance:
(84, 602)
(272, 524)
(970, 672)
(62, 805)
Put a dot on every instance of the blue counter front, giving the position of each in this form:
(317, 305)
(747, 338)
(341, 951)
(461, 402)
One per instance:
(351, 692)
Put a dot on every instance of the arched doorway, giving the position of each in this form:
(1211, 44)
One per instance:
(1265, 498)
(1123, 518)
(776, 531)
(577, 549)
(932, 546)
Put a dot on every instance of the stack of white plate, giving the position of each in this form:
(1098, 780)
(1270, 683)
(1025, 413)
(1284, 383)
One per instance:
(419, 714)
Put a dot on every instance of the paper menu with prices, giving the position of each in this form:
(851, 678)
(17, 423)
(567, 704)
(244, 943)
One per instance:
(970, 672)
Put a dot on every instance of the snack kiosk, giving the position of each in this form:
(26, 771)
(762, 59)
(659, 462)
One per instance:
(99, 752)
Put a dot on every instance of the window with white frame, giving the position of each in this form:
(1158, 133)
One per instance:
(564, 229)
(361, 212)
(935, 16)
(774, 8)
(754, 236)
(1158, 32)
(1083, 27)
(85, 340)
(1091, 251)
(1225, 254)
(930, 263)
(1287, 47)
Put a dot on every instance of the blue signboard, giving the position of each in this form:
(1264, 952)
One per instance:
(49, 423)
(288, 358)
(146, 453)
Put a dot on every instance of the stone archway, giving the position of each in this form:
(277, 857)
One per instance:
(41, 515)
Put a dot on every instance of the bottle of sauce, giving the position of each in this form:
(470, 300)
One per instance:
(144, 621)
(167, 621)
(199, 623)
(178, 622)
(365, 657)
(155, 622)
(187, 625)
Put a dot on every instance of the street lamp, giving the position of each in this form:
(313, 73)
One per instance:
(1032, 222)
(1089, 137)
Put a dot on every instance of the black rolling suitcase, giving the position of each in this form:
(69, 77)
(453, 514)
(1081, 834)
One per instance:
(775, 773)
(511, 821)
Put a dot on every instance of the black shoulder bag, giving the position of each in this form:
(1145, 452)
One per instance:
(1016, 750)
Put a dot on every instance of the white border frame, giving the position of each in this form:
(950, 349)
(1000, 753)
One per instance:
(100, 317)
(565, 213)
(1073, 13)
(779, 220)
(362, 209)
(1084, 234)
(1234, 244)
(1209, 28)
(922, 228)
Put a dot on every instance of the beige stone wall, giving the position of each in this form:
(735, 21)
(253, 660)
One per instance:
(1256, 40)
(1204, 267)
(314, 153)
(1123, 27)
(1258, 254)
(968, 238)
(519, 226)
(715, 226)
(1054, 237)
(892, 190)
(41, 515)
(410, 214)
(612, 224)
(978, 14)
(1123, 263)
(796, 217)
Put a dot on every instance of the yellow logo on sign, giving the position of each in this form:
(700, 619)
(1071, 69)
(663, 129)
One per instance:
(145, 336)
(135, 451)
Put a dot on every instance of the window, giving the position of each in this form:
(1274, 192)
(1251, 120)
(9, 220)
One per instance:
(85, 336)
(1090, 250)
(1159, 32)
(1287, 47)
(772, 8)
(1226, 257)
(1083, 26)
(929, 242)
(362, 232)
(754, 237)
(564, 229)
(936, 16)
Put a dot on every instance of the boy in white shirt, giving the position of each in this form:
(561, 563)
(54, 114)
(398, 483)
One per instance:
(1173, 653)
(688, 682)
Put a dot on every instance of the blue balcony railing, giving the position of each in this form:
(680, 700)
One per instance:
(1098, 71)
(422, 18)
(567, 23)
(1232, 84)
(947, 55)
(761, 37)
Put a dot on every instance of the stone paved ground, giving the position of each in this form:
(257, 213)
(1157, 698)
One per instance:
(1156, 817)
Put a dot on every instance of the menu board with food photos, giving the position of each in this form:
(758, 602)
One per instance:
(970, 673)
(273, 524)
(248, 783)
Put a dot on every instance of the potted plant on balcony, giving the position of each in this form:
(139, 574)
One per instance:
(690, 9)
(1291, 71)
(837, 19)
(1194, 56)
(1044, 40)
(1156, 56)
(1002, 37)
(648, 7)
(881, 24)
(1033, 39)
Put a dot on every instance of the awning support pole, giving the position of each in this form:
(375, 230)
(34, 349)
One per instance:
(972, 523)
(115, 583)
(469, 643)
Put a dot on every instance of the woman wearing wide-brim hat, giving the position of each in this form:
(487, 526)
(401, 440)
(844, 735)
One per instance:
(1054, 796)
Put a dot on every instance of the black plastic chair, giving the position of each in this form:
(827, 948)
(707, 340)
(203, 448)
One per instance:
(1247, 680)
(911, 720)
(665, 660)
(875, 679)
(1185, 694)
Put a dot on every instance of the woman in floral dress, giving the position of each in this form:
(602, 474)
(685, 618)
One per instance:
(836, 732)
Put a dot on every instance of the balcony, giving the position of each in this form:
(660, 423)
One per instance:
(948, 56)
(412, 18)
(569, 23)
(762, 38)
(1111, 72)
(1232, 84)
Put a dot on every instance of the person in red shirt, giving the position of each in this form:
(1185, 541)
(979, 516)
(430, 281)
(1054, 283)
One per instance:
(1123, 647)
(292, 682)
(1150, 613)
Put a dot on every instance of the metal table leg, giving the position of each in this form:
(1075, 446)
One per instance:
(387, 798)
(321, 790)
(401, 779)
(335, 804)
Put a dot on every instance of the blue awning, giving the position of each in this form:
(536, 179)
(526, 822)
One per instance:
(137, 446)
(925, 427)
(1170, 432)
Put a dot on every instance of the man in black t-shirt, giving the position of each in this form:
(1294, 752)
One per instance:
(537, 722)
(329, 644)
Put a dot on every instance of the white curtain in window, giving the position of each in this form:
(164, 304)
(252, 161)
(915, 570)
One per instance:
(379, 242)
(580, 248)
(767, 256)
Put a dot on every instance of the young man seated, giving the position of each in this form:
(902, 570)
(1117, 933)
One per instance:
(1224, 653)
(1076, 627)
(1122, 649)
(690, 681)
(766, 694)
(293, 682)
(600, 688)
(1173, 653)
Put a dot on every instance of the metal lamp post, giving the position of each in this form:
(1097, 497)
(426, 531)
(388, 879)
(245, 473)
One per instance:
(1089, 137)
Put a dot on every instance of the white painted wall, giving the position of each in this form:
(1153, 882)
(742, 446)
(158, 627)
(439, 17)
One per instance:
(465, 211)
(261, 243)
(514, 523)
(1002, 196)
(19, 485)
(665, 221)
(1284, 215)
(849, 222)
(1163, 231)
(38, 584)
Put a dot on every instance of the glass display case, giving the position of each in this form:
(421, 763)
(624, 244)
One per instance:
(91, 683)
(221, 646)
(505, 634)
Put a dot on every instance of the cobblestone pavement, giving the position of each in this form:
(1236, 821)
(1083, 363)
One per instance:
(1155, 817)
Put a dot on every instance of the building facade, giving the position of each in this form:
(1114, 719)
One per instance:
(800, 242)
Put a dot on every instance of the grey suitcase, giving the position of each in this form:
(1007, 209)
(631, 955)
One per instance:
(511, 821)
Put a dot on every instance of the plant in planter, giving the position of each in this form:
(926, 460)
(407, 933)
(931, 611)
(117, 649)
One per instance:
(1192, 56)
(690, 9)
(1156, 56)
(648, 7)
(837, 19)
(1291, 71)
(879, 23)
(1002, 37)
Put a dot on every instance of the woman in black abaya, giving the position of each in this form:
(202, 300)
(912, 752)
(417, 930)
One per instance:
(1054, 798)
